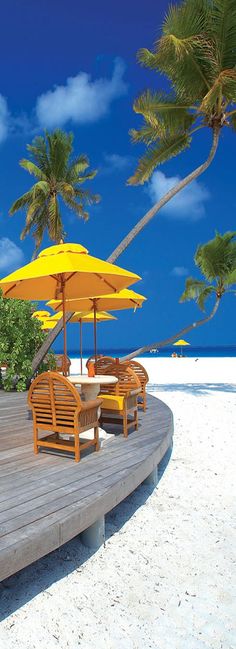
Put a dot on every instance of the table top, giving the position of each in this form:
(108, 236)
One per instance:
(100, 379)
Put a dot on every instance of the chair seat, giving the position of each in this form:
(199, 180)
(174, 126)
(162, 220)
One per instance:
(112, 402)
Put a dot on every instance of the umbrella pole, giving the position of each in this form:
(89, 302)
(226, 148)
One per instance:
(95, 332)
(81, 347)
(64, 330)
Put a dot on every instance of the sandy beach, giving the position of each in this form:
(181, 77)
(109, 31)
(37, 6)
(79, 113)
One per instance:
(166, 576)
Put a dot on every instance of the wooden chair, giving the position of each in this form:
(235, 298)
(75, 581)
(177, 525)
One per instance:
(102, 363)
(61, 366)
(141, 373)
(119, 400)
(57, 408)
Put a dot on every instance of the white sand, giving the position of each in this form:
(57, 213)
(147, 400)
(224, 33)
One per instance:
(165, 579)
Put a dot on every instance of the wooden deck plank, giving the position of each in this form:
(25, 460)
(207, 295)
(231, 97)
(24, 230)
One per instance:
(45, 500)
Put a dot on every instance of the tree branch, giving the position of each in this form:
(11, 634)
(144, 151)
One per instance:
(169, 340)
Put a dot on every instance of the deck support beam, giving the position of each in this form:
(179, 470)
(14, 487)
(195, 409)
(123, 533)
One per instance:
(94, 535)
(152, 478)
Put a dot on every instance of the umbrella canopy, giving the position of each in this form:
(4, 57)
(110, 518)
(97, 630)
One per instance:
(82, 318)
(68, 268)
(46, 324)
(124, 299)
(41, 315)
(70, 272)
(181, 343)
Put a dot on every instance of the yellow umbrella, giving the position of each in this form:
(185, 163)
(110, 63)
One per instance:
(81, 318)
(46, 325)
(65, 271)
(181, 343)
(41, 315)
(124, 299)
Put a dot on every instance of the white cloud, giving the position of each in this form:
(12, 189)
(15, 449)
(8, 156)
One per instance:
(10, 255)
(179, 271)
(115, 162)
(80, 100)
(4, 119)
(188, 205)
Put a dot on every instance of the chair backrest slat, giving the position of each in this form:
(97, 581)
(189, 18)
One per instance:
(54, 400)
(127, 379)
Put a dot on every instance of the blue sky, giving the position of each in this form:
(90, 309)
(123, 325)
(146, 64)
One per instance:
(74, 65)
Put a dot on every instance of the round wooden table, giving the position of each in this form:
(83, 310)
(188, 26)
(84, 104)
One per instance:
(90, 385)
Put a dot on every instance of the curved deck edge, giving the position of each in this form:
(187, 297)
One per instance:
(51, 531)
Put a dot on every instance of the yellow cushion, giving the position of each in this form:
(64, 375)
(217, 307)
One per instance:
(111, 402)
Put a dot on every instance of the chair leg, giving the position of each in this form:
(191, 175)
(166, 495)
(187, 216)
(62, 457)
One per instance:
(144, 401)
(36, 449)
(136, 419)
(96, 437)
(77, 448)
(125, 427)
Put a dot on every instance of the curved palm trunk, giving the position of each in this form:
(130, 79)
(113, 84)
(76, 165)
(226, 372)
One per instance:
(180, 333)
(129, 238)
(165, 199)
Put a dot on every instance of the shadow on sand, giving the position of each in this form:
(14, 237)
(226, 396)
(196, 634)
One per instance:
(37, 578)
(195, 389)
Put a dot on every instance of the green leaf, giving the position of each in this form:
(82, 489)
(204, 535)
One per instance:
(165, 150)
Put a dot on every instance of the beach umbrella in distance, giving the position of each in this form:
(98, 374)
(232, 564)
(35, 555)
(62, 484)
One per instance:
(47, 325)
(65, 271)
(181, 343)
(82, 318)
(41, 315)
(124, 299)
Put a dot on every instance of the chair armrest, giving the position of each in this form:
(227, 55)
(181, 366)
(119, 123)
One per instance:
(88, 405)
(133, 393)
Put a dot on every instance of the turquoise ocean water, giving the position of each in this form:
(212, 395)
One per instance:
(165, 352)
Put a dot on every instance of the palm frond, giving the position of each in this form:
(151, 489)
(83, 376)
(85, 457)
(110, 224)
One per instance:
(232, 121)
(76, 207)
(223, 32)
(79, 165)
(147, 58)
(230, 279)
(192, 289)
(217, 258)
(197, 290)
(21, 202)
(223, 86)
(184, 52)
(166, 149)
(87, 197)
(146, 134)
(32, 168)
(41, 187)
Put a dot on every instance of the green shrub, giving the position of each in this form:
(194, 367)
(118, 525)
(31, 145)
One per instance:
(20, 338)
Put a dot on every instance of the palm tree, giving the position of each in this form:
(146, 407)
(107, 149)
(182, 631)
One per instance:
(59, 179)
(197, 53)
(217, 262)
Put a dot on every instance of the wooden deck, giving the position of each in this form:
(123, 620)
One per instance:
(46, 500)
